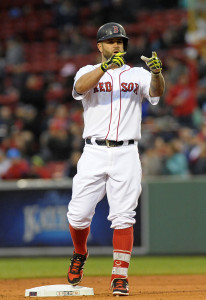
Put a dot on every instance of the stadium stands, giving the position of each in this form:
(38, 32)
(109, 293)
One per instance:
(44, 42)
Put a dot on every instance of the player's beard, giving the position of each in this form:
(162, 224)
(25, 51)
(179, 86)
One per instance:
(107, 54)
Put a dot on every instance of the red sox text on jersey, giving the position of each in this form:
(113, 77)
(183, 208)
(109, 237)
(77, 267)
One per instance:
(125, 87)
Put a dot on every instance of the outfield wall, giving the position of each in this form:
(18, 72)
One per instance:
(171, 218)
(176, 209)
(33, 220)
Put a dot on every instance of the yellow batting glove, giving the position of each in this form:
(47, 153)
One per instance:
(116, 59)
(154, 63)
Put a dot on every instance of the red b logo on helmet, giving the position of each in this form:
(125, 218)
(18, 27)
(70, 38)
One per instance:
(116, 29)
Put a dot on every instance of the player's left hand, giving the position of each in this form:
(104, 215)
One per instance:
(154, 63)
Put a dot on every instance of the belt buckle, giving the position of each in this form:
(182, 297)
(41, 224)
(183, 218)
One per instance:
(107, 143)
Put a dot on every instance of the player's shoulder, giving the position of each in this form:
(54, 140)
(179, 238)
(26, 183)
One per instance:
(140, 71)
(89, 67)
(84, 70)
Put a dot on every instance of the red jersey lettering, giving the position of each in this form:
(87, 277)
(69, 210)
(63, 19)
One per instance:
(108, 86)
(101, 87)
(136, 88)
(96, 89)
(130, 86)
(124, 86)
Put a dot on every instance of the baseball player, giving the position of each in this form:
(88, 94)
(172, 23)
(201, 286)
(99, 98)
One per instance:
(111, 93)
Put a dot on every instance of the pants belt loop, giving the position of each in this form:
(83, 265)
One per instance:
(93, 141)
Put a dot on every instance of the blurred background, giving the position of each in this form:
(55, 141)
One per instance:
(42, 45)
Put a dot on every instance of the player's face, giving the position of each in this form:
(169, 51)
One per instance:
(110, 47)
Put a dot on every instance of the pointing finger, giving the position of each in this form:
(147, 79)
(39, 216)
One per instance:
(154, 54)
(120, 54)
(144, 58)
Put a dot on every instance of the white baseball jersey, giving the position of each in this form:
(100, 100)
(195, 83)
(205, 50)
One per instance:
(112, 110)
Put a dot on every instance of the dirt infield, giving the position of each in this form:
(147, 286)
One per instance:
(141, 287)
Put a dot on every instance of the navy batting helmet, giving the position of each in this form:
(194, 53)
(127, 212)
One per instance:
(112, 30)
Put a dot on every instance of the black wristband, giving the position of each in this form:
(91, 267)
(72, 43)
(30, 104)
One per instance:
(102, 68)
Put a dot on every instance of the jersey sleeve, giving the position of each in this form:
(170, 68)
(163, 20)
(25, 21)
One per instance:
(145, 86)
(79, 74)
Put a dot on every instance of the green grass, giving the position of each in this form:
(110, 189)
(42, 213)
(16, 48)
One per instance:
(101, 266)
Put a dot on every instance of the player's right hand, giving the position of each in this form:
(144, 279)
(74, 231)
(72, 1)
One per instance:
(116, 59)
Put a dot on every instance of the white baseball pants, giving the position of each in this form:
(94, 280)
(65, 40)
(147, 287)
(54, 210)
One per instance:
(115, 171)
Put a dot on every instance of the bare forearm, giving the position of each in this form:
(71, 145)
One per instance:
(88, 81)
(157, 85)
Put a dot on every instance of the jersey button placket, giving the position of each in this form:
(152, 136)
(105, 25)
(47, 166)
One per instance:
(115, 117)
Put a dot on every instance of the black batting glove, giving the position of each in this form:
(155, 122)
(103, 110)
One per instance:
(116, 59)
